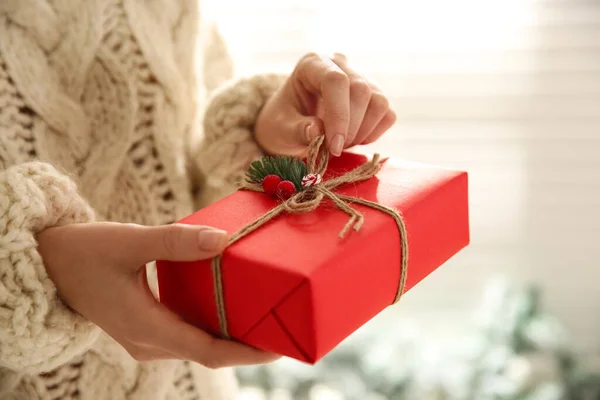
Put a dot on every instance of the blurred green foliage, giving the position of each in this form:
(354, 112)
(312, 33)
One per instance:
(513, 351)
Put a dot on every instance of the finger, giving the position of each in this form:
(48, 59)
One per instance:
(339, 57)
(306, 129)
(321, 76)
(360, 95)
(386, 123)
(175, 336)
(177, 242)
(144, 353)
(378, 108)
(153, 326)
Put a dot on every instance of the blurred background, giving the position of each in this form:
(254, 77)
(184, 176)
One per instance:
(508, 90)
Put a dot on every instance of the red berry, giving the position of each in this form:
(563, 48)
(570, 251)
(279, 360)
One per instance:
(285, 189)
(269, 184)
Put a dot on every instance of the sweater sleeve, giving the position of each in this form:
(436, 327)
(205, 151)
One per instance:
(227, 146)
(37, 331)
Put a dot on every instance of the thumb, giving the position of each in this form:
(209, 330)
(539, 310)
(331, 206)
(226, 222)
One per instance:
(307, 128)
(296, 133)
(179, 242)
(287, 131)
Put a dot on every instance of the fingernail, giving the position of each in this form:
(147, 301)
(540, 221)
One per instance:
(337, 145)
(211, 239)
(307, 133)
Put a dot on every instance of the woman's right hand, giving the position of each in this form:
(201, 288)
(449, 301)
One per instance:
(98, 271)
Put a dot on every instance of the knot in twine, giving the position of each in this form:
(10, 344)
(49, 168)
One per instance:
(308, 200)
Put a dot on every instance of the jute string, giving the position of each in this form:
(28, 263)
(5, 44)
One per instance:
(308, 200)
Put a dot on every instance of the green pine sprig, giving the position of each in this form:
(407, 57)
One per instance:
(287, 168)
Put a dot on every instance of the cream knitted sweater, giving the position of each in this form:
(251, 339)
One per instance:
(101, 109)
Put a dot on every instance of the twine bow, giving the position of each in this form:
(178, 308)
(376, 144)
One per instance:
(308, 200)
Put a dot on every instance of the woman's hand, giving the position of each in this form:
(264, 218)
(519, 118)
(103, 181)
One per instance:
(97, 269)
(323, 94)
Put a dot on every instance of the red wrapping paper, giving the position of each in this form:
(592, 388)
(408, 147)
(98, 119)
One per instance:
(293, 287)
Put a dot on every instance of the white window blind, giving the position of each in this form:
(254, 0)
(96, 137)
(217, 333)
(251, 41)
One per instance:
(508, 90)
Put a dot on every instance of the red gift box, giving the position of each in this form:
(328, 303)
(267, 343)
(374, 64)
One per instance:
(293, 287)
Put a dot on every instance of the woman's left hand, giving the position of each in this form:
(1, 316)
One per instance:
(323, 95)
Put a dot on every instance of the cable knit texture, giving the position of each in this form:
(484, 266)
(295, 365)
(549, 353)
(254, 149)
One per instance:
(102, 108)
(37, 334)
